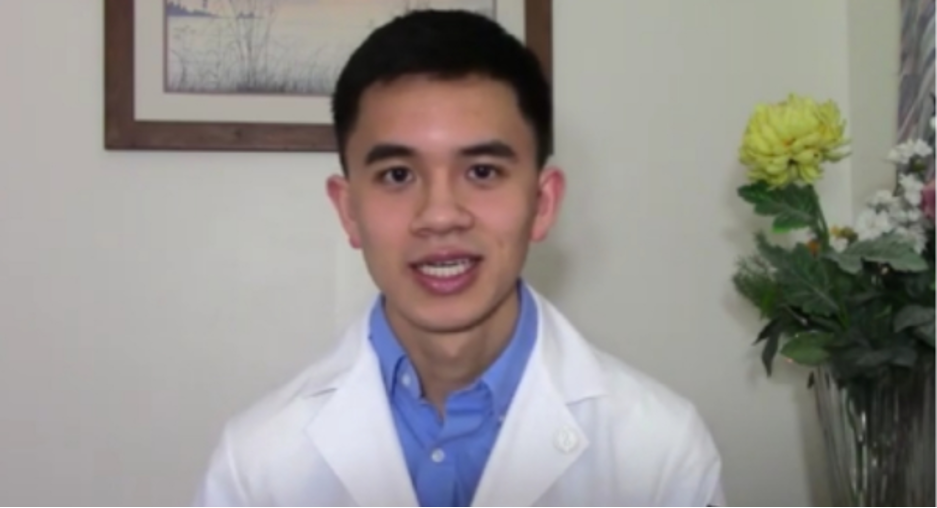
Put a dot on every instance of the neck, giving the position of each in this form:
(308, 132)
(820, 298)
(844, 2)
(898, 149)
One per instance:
(447, 362)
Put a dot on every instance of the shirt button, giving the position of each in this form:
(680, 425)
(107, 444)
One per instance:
(405, 379)
(438, 455)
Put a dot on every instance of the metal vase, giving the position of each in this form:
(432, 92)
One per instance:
(879, 438)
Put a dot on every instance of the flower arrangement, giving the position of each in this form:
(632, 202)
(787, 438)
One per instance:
(857, 299)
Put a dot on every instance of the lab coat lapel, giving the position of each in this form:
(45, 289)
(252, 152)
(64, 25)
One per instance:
(539, 441)
(356, 435)
(540, 438)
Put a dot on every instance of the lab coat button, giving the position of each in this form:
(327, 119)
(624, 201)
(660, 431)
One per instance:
(566, 440)
(438, 455)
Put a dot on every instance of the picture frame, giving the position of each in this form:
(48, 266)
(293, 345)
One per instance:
(126, 127)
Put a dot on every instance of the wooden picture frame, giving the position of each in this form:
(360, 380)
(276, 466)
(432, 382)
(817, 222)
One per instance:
(124, 130)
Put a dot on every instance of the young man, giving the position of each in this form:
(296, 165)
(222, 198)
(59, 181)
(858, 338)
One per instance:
(461, 385)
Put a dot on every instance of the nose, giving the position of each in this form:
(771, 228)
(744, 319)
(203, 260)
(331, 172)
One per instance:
(442, 208)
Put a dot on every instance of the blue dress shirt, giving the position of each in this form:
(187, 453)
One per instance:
(446, 457)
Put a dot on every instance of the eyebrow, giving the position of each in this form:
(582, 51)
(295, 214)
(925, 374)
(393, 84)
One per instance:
(495, 148)
(384, 151)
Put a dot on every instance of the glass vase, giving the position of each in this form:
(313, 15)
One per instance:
(879, 438)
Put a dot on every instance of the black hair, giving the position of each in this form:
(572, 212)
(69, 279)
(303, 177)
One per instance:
(446, 44)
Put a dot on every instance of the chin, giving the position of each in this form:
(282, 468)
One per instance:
(429, 313)
(444, 317)
(453, 313)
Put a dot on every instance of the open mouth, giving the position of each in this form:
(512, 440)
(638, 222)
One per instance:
(447, 269)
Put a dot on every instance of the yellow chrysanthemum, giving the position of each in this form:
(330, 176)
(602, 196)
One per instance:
(845, 233)
(787, 142)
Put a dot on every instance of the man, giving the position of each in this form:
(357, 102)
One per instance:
(461, 385)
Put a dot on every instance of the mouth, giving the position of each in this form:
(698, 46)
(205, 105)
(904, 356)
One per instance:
(446, 274)
(446, 269)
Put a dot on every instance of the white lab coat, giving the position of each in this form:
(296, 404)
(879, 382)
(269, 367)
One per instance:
(584, 430)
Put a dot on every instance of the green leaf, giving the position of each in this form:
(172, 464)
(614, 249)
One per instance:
(827, 324)
(864, 297)
(754, 281)
(856, 335)
(917, 285)
(904, 356)
(846, 361)
(875, 358)
(889, 249)
(814, 322)
(926, 333)
(913, 316)
(793, 207)
(801, 276)
(920, 319)
(772, 334)
(808, 348)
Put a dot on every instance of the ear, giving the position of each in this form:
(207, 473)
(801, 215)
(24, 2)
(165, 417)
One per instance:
(340, 194)
(551, 190)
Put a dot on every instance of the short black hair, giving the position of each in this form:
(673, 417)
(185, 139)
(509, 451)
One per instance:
(446, 44)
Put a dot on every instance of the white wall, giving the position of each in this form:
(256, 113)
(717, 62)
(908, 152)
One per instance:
(145, 297)
(874, 66)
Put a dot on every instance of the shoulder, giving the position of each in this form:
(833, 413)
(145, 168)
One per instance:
(648, 432)
(642, 406)
(636, 415)
(307, 389)
(630, 412)
(263, 449)
(635, 393)
(265, 443)
(286, 409)
(580, 367)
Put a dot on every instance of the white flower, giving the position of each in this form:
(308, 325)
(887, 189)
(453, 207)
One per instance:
(921, 148)
(898, 215)
(903, 153)
(910, 182)
(872, 224)
(882, 198)
(896, 208)
(914, 235)
(911, 187)
(839, 244)
(897, 156)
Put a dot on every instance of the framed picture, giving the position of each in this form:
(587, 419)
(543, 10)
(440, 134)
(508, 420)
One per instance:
(252, 75)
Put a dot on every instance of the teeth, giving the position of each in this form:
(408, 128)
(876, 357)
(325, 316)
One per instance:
(446, 269)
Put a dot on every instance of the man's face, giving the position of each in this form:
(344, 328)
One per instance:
(443, 196)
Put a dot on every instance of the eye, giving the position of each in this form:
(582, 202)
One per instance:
(396, 176)
(484, 172)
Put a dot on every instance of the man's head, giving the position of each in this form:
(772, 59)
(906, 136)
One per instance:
(443, 121)
(448, 45)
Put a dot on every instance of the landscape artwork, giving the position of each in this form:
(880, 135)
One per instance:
(274, 47)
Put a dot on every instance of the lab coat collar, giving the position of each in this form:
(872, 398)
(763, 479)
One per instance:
(355, 433)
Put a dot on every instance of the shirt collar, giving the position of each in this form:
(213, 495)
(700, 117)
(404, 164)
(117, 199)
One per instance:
(390, 353)
(501, 378)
